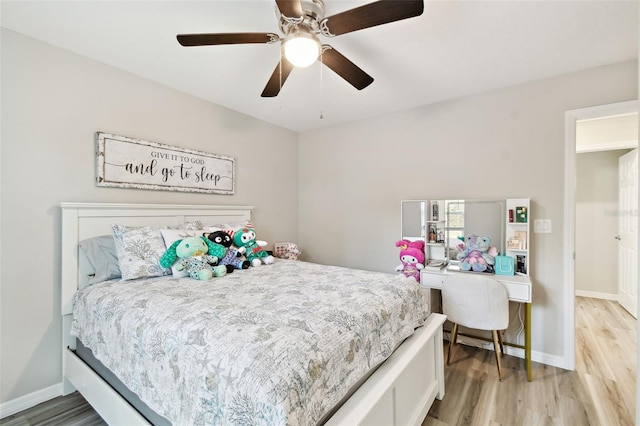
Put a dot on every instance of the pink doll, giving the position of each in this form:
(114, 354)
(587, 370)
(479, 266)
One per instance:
(412, 258)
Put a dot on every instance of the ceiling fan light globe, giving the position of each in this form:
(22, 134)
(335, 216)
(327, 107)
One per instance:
(302, 50)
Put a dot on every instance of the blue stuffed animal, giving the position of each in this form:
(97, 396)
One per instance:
(476, 254)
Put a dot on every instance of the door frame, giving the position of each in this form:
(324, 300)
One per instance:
(571, 117)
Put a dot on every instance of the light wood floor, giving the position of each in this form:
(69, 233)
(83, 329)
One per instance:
(601, 391)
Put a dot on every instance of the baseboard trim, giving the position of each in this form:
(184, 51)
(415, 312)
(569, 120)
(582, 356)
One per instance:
(552, 360)
(31, 400)
(597, 295)
(536, 356)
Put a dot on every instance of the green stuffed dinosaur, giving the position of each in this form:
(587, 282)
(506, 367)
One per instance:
(197, 255)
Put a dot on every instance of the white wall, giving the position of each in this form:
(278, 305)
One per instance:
(500, 144)
(597, 223)
(53, 102)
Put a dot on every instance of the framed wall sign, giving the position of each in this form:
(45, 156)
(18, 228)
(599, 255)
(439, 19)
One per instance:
(133, 163)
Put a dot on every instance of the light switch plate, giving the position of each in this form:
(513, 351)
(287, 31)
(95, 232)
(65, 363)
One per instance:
(542, 226)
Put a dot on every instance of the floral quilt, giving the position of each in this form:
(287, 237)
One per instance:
(279, 344)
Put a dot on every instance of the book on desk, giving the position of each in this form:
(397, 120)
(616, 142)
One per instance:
(435, 264)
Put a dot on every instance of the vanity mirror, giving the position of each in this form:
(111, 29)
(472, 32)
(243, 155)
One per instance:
(413, 220)
(486, 218)
(443, 224)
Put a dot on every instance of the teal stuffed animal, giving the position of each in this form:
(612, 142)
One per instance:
(245, 240)
(197, 255)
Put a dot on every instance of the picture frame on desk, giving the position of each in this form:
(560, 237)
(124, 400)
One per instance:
(432, 234)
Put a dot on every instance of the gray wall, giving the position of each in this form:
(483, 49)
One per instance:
(499, 144)
(597, 222)
(53, 102)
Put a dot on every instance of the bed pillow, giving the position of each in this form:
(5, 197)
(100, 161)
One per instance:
(170, 236)
(101, 254)
(139, 250)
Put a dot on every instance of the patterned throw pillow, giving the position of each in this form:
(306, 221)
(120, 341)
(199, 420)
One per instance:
(139, 251)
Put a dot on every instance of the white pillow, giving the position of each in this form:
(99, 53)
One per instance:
(139, 251)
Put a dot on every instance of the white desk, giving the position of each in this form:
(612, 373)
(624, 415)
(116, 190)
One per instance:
(518, 289)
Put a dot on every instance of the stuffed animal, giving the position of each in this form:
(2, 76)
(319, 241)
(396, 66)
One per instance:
(233, 258)
(288, 251)
(412, 258)
(197, 255)
(245, 240)
(477, 254)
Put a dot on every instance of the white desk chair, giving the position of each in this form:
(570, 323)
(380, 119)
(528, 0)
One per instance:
(479, 302)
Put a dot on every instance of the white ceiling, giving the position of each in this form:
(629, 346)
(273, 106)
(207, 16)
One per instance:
(455, 48)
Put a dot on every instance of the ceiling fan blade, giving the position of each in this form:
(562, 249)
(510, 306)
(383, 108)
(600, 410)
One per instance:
(290, 8)
(371, 15)
(226, 38)
(346, 69)
(279, 76)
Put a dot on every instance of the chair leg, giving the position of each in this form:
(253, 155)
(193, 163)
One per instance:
(452, 341)
(501, 342)
(496, 346)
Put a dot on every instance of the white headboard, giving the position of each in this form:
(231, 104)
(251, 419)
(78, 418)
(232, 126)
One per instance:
(85, 220)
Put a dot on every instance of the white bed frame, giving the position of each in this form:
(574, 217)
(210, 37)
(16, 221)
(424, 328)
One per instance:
(400, 392)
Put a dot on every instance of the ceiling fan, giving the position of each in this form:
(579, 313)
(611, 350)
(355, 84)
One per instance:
(301, 21)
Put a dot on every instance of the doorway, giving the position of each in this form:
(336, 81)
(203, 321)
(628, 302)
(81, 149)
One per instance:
(571, 120)
(605, 229)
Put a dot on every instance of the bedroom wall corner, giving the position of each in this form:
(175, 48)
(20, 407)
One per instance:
(53, 103)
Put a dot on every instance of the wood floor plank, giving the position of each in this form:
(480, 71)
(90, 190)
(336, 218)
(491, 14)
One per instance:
(576, 412)
(610, 407)
(591, 357)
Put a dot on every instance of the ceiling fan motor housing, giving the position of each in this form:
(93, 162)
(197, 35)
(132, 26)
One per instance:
(313, 13)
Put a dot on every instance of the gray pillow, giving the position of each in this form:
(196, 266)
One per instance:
(101, 253)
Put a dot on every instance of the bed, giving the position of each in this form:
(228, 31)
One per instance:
(395, 385)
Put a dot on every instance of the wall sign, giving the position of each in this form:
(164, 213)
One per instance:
(133, 163)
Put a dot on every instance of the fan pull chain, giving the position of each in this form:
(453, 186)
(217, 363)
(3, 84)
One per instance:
(280, 67)
(321, 87)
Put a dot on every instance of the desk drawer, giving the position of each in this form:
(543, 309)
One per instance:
(518, 292)
(432, 279)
